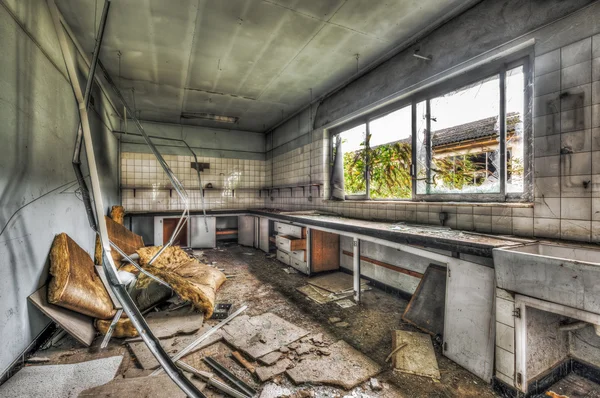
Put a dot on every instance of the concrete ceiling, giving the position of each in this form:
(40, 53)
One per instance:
(252, 59)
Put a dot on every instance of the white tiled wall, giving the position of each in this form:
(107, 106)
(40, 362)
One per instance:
(236, 182)
(566, 125)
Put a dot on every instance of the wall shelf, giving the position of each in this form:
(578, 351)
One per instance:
(170, 189)
(304, 187)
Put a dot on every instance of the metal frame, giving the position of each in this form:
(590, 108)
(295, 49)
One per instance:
(84, 134)
(521, 57)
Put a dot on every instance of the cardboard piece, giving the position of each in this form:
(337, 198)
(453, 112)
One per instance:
(80, 326)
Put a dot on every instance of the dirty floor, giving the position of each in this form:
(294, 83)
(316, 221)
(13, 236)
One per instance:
(261, 283)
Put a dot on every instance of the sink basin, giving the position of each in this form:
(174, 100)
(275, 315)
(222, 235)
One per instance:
(564, 274)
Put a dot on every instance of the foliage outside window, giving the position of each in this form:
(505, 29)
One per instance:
(459, 139)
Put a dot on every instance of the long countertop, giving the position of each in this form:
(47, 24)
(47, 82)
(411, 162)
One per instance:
(429, 236)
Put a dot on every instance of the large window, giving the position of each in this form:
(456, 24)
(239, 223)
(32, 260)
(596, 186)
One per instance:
(468, 139)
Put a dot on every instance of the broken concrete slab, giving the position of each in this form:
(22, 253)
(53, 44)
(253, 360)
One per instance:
(270, 358)
(166, 324)
(337, 282)
(304, 348)
(160, 386)
(345, 367)
(172, 346)
(55, 381)
(265, 373)
(262, 334)
(418, 357)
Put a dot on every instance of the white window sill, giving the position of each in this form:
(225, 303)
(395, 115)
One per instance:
(457, 204)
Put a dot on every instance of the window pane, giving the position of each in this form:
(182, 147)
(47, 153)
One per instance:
(353, 150)
(515, 102)
(465, 140)
(390, 155)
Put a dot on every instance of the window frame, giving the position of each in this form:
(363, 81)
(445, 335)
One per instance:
(499, 67)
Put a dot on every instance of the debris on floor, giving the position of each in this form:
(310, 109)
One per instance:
(336, 282)
(295, 357)
(166, 324)
(417, 356)
(159, 386)
(345, 303)
(57, 381)
(265, 373)
(344, 367)
(172, 345)
(221, 310)
(262, 334)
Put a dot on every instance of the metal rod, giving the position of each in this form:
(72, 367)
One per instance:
(136, 265)
(210, 380)
(226, 374)
(111, 329)
(200, 339)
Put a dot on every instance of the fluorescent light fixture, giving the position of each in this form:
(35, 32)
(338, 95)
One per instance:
(209, 116)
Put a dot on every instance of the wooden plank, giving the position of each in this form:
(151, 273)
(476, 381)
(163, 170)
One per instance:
(325, 251)
(426, 307)
(80, 326)
(418, 357)
(227, 231)
(386, 265)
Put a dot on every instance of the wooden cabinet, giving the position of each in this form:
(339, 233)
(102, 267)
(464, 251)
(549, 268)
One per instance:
(324, 251)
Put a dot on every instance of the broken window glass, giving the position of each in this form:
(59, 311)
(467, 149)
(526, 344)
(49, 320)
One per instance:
(465, 140)
(390, 155)
(515, 103)
(354, 153)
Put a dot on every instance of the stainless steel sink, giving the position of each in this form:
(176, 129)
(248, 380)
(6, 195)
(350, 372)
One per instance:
(564, 274)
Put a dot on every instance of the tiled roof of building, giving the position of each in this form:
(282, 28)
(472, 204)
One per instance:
(469, 131)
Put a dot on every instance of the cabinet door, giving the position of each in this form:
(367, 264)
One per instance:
(263, 234)
(169, 225)
(469, 327)
(246, 230)
(199, 237)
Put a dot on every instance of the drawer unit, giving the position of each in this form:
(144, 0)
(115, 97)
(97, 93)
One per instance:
(283, 257)
(290, 230)
(301, 266)
(298, 255)
(289, 243)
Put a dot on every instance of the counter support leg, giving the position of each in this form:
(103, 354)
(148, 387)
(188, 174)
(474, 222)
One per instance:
(356, 268)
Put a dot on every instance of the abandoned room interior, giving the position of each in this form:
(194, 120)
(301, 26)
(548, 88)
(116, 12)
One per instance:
(300, 198)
